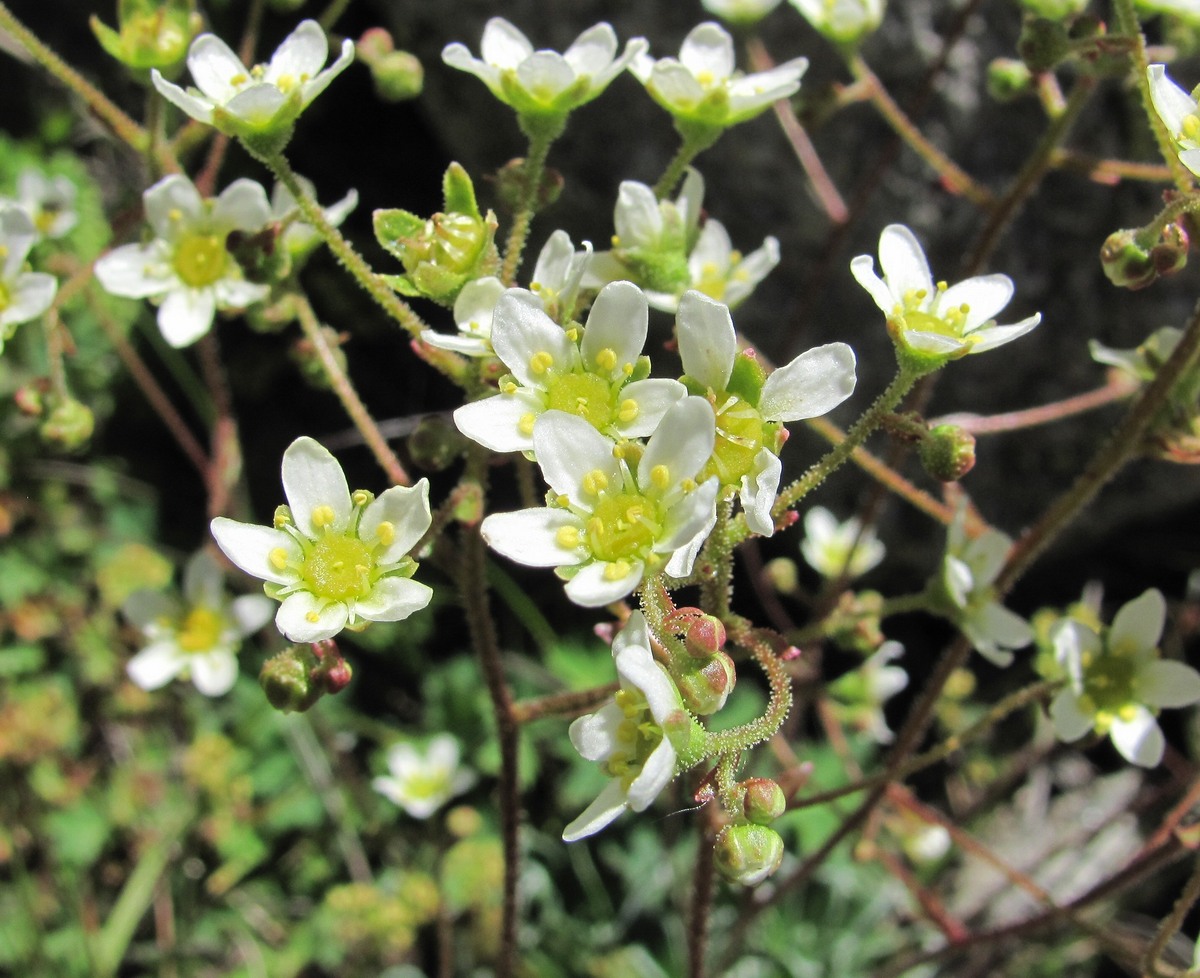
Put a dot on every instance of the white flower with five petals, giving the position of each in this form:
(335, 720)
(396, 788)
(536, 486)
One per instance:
(543, 83)
(1116, 681)
(1180, 114)
(259, 103)
(422, 782)
(748, 416)
(553, 369)
(611, 524)
(23, 295)
(935, 322)
(333, 559)
(842, 21)
(701, 88)
(836, 549)
(187, 267)
(196, 638)
(48, 200)
(636, 738)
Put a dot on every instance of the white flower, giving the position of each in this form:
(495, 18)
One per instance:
(260, 101)
(701, 87)
(740, 12)
(1179, 113)
(935, 322)
(748, 417)
(1117, 682)
(334, 559)
(544, 83)
(300, 238)
(49, 202)
(611, 524)
(187, 267)
(556, 279)
(1143, 362)
(843, 21)
(861, 694)
(632, 737)
(835, 549)
(660, 244)
(23, 295)
(197, 638)
(555, 369)
(421, 783)
(968, 571)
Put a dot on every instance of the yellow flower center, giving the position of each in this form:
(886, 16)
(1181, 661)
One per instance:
(739, 440)
(201, 630)
(623, 526)
(584, 394)
(200, 259)
(338, 568)
(637, 736)
(5, 296)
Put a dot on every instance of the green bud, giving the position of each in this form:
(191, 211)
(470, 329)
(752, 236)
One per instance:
(747, 377)
(705, 636)
(31, 398)
(748, 854)
(304, 354)
(782, 574)
(150, 33)
(468, 503)
(948, 452)
(1008, 79)
(286, 680)
(762, 800)
(374, 44)
(69, 424)
(512, 185)
(704, 686)
(1129, 264)
(854, 622)
(398, 76)
(435, 443)
(1043, 43)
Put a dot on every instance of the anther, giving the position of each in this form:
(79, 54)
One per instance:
(660, 477)
(386, 531)
(323, 516)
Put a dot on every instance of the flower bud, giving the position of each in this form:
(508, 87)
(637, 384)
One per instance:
(31, 398)
(374, 44)
(435, 443)
(1043, 43)
(948, 453)
(705, 686)
(150, 33)
(782, 574)
(512, 185)
(704, 635)
(305, 355)
(1008, 79)
(1130, 265)
(748, 854)
(763, 800)
(69, 424)
(398, 76)
(285, 679)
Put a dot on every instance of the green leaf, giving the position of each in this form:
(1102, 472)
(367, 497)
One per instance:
(459, 192)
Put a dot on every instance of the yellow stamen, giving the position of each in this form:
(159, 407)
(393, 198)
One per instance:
(525, 424)
(606, 359)
(567, 537)
(313, 617)
(627, 411)
(617, 570)
(386, 531)
(323, 516)
(660, 476)
(278, 558)
(540, 362)
(595, 482)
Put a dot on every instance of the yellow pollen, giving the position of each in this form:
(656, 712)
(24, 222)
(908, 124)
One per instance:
(313, 617)
(705, 78)
(360, 497)
(628, 410)
(942, 286)
(617, 570)
(285, 83)
(627, 369)
(595, 482)
(281, 520)
(508, 387)
(1127, 712)
(660, 476)
(239, 79)
(322, 516)
(175, 214)
(535, 286)
(278, 558)
(540, 362)
(1191, 128)
(525, 424)
(606, 359)
(735, 257)
(386, 531)
(688, 485)
(567, 537)
(616, 241)
(595, 525)
(562, 500)
(573, 334)
(634, 513)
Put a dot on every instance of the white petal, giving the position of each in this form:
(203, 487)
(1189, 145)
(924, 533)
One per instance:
(214, 673)
(618, 321)
(754, 92)
(393, 599)
(708, 49)
(172, 205)
(595, 735)
(407, 510)
(136, 271)
(242, 206)
(707, 341)
(591, 587)
(653, 398)
(257, 105)
(521, 330)
(1139, 623)
(957, 577)
(317, 85)
(214, 67)
(250, 547)
(293, 619)
(811, 385)
(552, 267)
(593, 51)
(199, 108)
(496, 421)
(186, 315)
(655, 775)
(312, 478)
(690, 201)
(1171, 102)
(938, 344)
(905, 267)
(145, 608)
(682, 443)
(457, 56)
(31, 296)
(569, 449)
(544, 75)
(156, 665)
(1070, 722)
(1166, 683)
(203, 582)
(251, 612)
(610, 803)
(985, 555)
(1139, 740)
(529, 536)
(993, 336)
(503, 45)
(687, 526)
(234, 293)
(303, 52)
(759, 489)
(984, 296)
(674, 85)
(863, 270)
(636, 219)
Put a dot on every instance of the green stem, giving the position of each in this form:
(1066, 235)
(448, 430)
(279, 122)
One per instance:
(123, 126)
(695, 141)
(540, 140)
(1123, 442)
(716, 586)
(742, 738)
(346, 393)
(872, 419)
(1150, 235)
(1171, 923)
